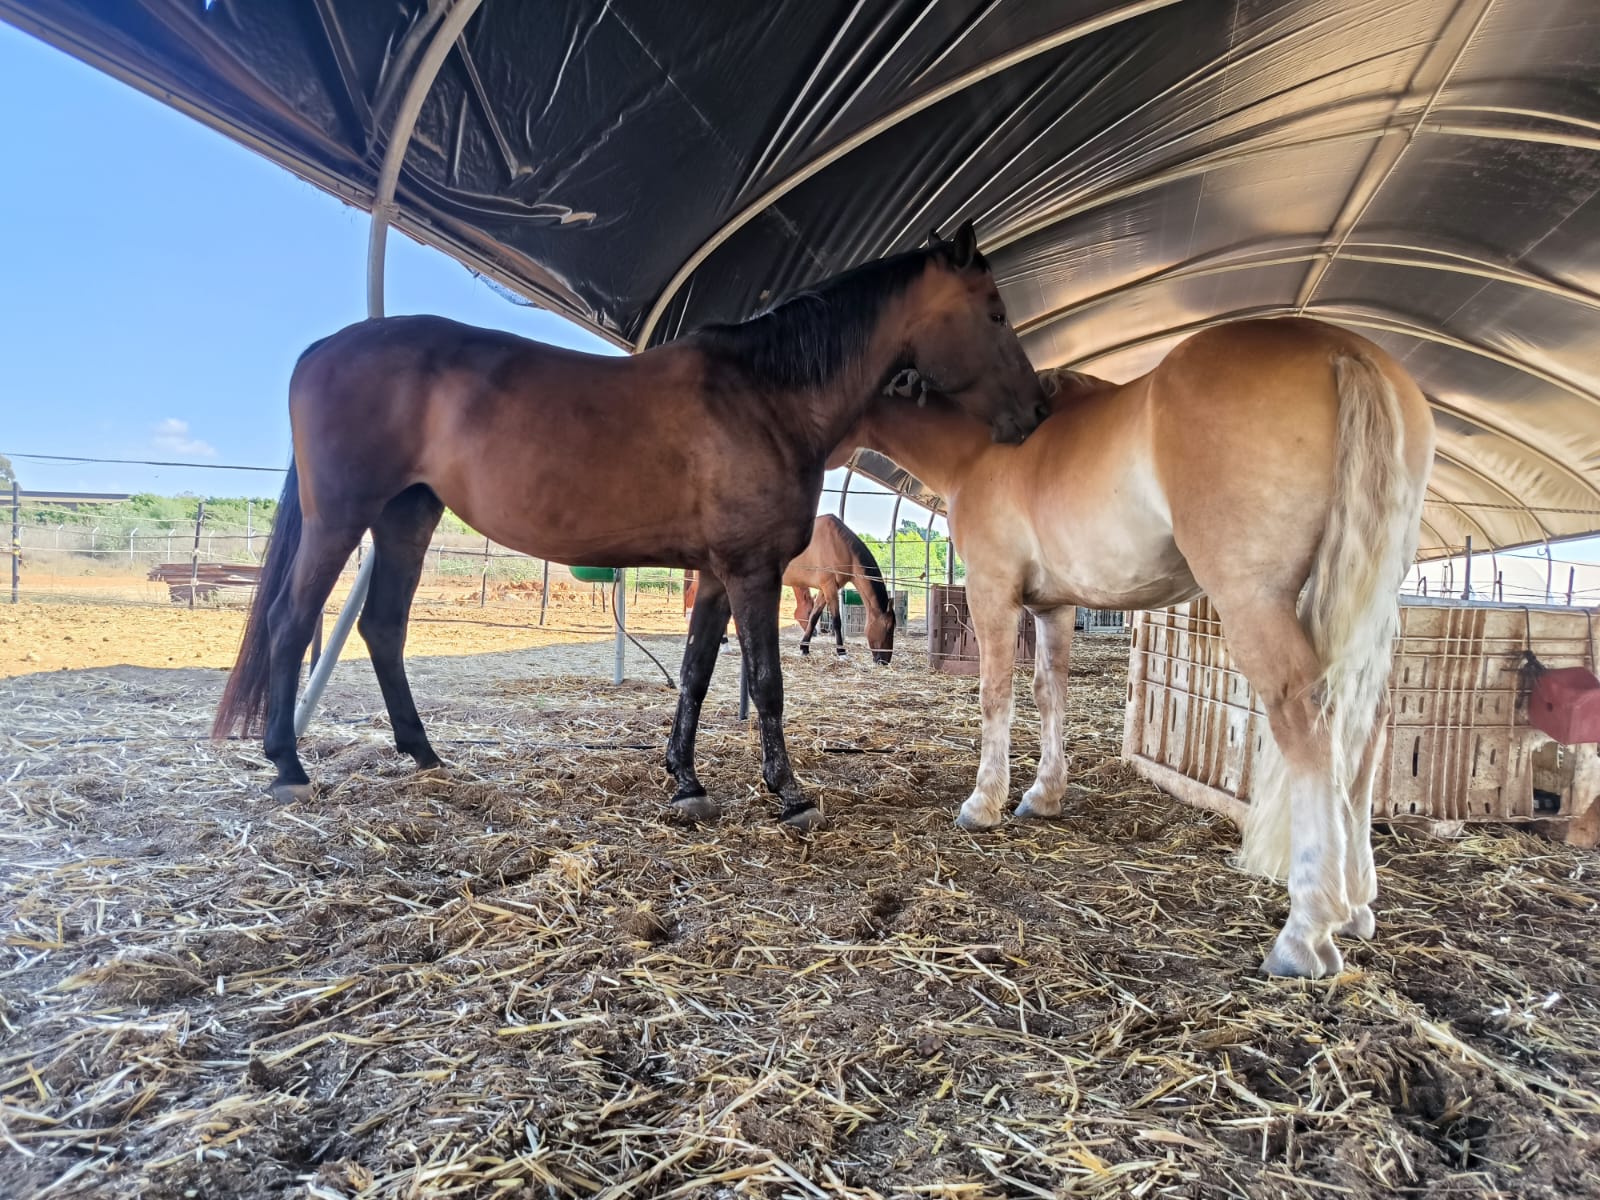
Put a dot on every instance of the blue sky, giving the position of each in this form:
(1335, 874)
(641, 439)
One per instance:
(159, 282)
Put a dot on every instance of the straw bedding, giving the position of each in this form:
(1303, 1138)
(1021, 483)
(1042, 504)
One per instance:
(518, 981)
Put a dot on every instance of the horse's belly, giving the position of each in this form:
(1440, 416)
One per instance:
(1115, 567)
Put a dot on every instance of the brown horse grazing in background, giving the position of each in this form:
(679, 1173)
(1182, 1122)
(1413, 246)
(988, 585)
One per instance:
(1277, 466)
(707, 453)
(836, 556)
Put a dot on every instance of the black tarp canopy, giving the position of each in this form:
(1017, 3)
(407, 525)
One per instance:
(1424, 171)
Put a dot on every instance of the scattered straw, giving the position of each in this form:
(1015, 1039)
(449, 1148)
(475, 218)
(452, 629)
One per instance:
(519, 981)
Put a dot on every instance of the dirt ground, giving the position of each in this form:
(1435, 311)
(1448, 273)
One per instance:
(88, 631)
(519, 980)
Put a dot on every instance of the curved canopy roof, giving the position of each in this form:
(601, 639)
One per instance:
(1425, 171)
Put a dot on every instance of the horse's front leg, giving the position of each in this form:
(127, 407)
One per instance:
(811, 629)
(707, 627)
(995, 613)
(755, 607)
(1051, 664)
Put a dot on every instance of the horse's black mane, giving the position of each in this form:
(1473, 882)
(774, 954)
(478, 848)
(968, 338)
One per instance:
(805, 340)
(869, 565)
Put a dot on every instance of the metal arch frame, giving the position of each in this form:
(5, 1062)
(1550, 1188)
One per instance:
(440, 43)
(1521, 505)
(1251, 148)
(1433, 529)
(1221, 262)
(985, 70)
(1401, 327)
(1376, 172)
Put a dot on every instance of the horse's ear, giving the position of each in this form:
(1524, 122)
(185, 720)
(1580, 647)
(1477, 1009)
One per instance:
(934, 240)
(964, 246)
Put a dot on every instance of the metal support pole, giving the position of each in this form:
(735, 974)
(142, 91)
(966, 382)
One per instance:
(1572, 576)
(894, 552)
(1466, 575)
(619, 601)
(394, 156)
(844, 492)
(483, 585)
(544, 592)
(250, 528)
(16, 540)
(744, 689)
(194, 557)
(927, 578)
(132, 533)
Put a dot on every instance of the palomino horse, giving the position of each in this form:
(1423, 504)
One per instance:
(836, 556)
(1278, 466)
(706, 453)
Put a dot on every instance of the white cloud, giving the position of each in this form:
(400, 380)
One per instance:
(172, 436)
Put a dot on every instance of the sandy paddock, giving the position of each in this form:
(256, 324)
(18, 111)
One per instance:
(518, 981)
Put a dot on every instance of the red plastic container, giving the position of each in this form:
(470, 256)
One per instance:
(1565, 703)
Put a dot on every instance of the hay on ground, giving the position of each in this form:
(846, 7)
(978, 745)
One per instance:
(519, 981)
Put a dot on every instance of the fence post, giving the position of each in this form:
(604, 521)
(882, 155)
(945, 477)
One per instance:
(1466, 574)
(132, 533)
(16, 540)
(1572, 575)
(1499, 586)
(249, 527)
(544, 591)
(619, 601)
(483, 586)
(949, 563)
(194, 557)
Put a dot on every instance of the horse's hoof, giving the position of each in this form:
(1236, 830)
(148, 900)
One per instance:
(1294, 957)
(290, 793)
(807, 820)
(975, 820)
(696, 810)
(1038, 808)
(1361, 923)
(805, 651)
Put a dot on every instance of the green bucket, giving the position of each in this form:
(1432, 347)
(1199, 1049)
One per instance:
(849, 596)
(594, 574)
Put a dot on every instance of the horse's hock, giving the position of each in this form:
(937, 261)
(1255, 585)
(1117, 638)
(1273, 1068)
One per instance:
(1458, 746)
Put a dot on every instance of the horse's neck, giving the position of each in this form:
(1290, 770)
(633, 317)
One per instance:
(935, 444)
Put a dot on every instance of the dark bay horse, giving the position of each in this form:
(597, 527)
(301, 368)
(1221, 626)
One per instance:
(1279, 467)
(707, 452)
(835, 557)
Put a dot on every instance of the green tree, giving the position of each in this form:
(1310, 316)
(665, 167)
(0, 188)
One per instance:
(8, 473)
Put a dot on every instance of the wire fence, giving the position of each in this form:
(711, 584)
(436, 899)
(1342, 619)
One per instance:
(124, 558)
(64, 556)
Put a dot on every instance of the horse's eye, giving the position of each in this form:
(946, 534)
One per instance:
(998, 318)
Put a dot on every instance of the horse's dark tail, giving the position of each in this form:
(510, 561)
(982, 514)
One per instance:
(868, 564)
(245, 697)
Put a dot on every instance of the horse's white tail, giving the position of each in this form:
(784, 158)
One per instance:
(1349, 608)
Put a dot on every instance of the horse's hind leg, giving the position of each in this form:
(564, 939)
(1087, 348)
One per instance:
(324, 549)
(400, 543)
(1310, 830)
(708, 627)
(1051, 664)
(1361, 876)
